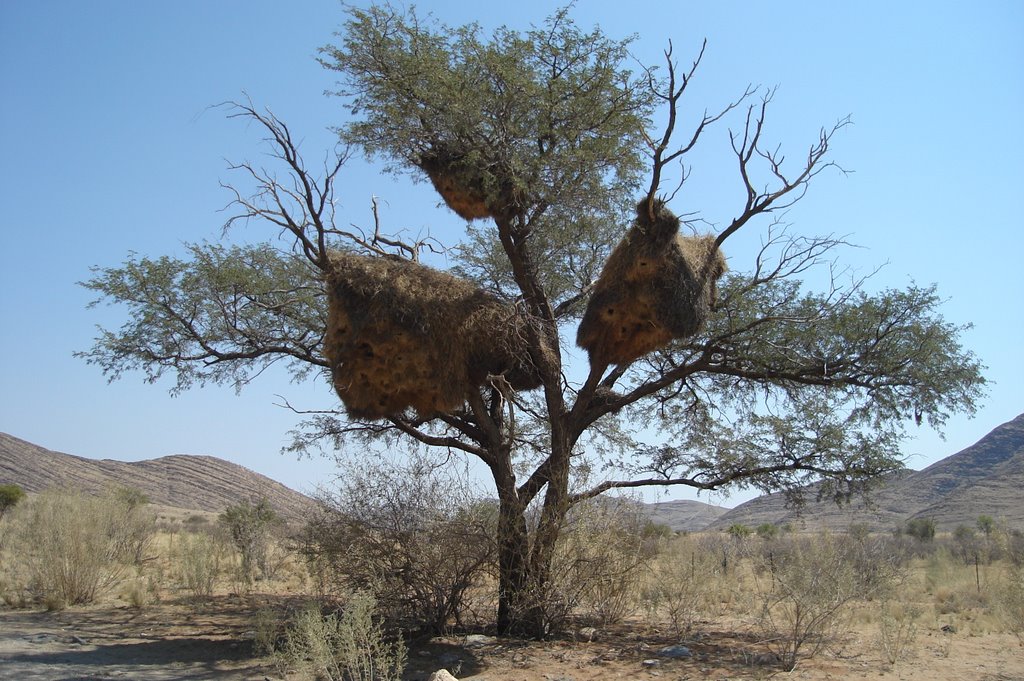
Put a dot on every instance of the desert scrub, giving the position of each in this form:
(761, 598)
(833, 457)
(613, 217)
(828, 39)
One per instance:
(685, 582)
(352, 647)
(805, 586)
(72, 547)
(1012, 601)
(897, 629)
(199, 564)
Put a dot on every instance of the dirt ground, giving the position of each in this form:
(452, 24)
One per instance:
(176, 641)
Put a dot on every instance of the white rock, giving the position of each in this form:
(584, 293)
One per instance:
(442, 675)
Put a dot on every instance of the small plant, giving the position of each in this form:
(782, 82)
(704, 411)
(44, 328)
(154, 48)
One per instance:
(10, 496)
(200, 564)
(1012, 602)
(249, 526)
(767, 531)
(739, 531)
(897, 630)
(682, 584)
(804, 602)
(352, 647)
(266, 627)
(921, 529)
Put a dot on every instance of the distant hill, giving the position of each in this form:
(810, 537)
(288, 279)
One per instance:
(684, 516)
(197, 483)
(986, 478)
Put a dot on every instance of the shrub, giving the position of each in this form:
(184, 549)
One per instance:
(1012, 602)
(10, 496)
(767, 531)
(351, 647)
(73, 547)
(921, 529)
(739, 531)
(682, 584)
(249, 526)
(199, 564)
(412, 534)
(804, 603)
(599, 563)
(897, 630)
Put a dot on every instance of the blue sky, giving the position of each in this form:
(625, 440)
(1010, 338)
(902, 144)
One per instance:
(110, 145)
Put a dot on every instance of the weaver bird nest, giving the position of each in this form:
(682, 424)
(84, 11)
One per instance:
(656, 286)
(402, 335)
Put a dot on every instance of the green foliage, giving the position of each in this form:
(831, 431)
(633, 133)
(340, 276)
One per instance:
(921, 529)
(352, 647)
(987, 525)
(249, 526)
(767, 531)
(10, 496)
(739, 531)
(221, 316)
(555, 113)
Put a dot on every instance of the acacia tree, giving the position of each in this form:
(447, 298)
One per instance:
(782, 386)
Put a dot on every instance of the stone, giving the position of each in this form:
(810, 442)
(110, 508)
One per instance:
(676, 652)
(442, 675)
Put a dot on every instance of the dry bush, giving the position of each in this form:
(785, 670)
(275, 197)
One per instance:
(414, 535)
(251, 526)
(685, 582)
(69, 547)
(352, 647)
(805, 590)
(599, 563)
(199, 564)
(897, 629)
(1011, 600)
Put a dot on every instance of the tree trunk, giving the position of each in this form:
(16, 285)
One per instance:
(513, 567)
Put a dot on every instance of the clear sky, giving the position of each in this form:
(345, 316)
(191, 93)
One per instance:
(109, 145)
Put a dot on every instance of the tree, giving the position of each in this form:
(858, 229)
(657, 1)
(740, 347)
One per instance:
(249, 526)
(552, 137)
(10, 495)
(921, 529)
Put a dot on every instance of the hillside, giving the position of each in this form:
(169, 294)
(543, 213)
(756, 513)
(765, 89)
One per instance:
(983, 479)
(683, 516)
(198, 483)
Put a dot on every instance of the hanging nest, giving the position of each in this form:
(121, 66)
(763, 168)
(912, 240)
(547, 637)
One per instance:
(466, 187)
(657, 285)
(400, 335)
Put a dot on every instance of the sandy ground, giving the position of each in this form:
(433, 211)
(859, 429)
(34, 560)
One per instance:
(175, 641)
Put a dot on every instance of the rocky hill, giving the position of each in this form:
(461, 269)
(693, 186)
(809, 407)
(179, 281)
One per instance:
(197, 483)
(684, 516)
(983, 479)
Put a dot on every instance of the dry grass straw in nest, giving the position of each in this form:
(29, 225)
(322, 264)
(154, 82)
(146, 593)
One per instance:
(657, 285)
(401, 335)
(464, 185)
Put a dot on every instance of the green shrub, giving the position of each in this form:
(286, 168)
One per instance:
(249, 525)
(10, 496)
(199, 564)
(352, 647)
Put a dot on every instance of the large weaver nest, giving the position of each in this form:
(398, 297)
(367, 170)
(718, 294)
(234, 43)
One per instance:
(657, 285)
(472, 188)
(401, 335)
